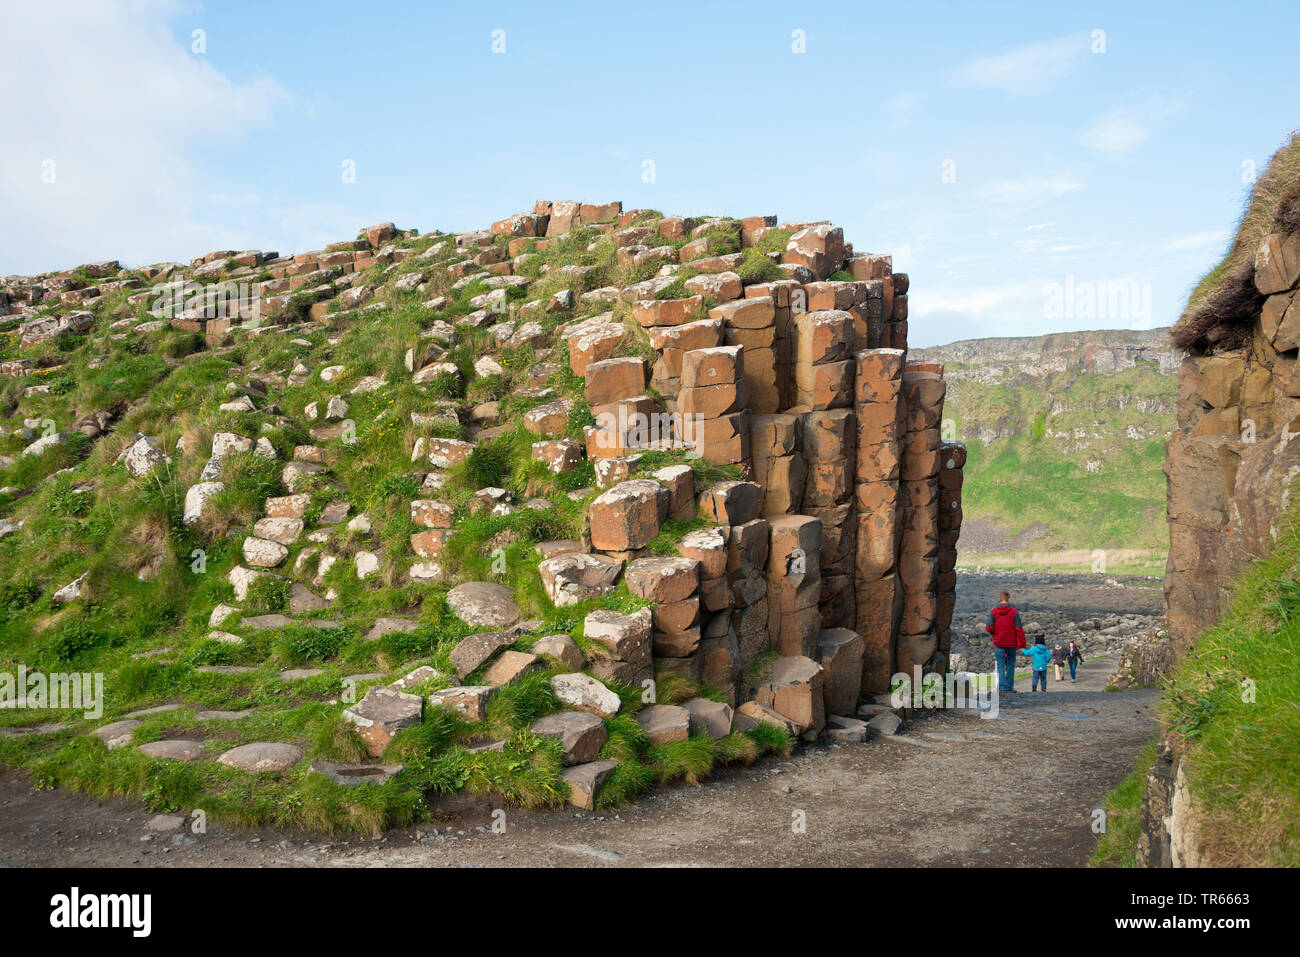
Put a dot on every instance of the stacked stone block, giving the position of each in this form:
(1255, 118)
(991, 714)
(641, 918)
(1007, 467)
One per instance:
(880, 414)
(918, 563)
(952, 460)
(711, 406)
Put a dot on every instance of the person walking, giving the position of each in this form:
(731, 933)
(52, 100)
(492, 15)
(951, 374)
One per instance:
(1073, 655)
(1003, 623)
(1058, 661)
(1040, 655)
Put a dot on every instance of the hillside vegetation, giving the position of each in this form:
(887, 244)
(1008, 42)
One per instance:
(1065, 436)
(145, 581)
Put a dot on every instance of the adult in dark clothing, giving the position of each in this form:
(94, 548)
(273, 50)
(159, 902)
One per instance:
(1003, 623)
(1074, 655)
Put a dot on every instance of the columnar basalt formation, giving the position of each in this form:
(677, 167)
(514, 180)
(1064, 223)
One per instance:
(770, 352)
(848, 521)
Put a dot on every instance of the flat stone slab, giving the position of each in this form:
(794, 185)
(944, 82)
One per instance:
(262, 756)
(382, 713)
(117, 734)
(261, 622)
(156, 709)
(1076, 717)
(222, 715)
(296, 674)
(225, 669)
(175, 750)
(354, 775)
(484, 604)
(386, 626)
(166, 822)
(846, 730)
(946, 736)
(582, 735)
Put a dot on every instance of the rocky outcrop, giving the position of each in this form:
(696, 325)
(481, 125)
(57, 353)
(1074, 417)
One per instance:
(1232, 460)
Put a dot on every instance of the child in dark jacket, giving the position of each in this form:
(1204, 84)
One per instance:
(1039, 656)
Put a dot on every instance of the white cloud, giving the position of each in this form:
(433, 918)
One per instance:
(1013, 196)
(122, 110)
(1028, 69)
(1128, 127)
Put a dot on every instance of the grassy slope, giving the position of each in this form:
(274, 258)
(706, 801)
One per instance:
(1231, 710)
(96, 519)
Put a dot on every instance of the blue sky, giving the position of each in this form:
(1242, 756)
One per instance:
(1067, 168)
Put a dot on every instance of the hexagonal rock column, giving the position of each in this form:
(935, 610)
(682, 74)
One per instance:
(794, 583)
(625, 518)
(663, 723)
(381, 714)
(839, 652)
(627, 638)
(880, 412)
(671, 583)
(795, 689)
(585, 780)
(471, 701)
(923, 394)
(473, 651)
(711, 404)
(748, 548)
(708, 717)
(778, 465)
(952, 462)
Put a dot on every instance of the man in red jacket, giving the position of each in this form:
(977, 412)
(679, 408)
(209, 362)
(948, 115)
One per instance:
(1003, 623)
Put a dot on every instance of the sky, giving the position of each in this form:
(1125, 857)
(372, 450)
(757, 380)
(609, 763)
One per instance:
(1034, 167)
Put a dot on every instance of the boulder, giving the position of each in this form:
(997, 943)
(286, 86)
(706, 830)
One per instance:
(663, 723)
(471, 701)
(562, 648)
(574, 577)
(582, 735)
(585, 693)
(472, 652)
(381, 714)
(585, 780)
(484, 604)
(707, 717)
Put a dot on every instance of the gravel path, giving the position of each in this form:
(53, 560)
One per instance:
(952, 788)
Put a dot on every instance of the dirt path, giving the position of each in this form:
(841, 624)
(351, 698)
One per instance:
(951, 789)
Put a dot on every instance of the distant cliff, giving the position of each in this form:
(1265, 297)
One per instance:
(1066, 438)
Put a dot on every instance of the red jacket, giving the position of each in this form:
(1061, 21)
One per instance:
(1003, 624)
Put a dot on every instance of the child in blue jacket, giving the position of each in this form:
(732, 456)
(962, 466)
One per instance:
(1040, 656)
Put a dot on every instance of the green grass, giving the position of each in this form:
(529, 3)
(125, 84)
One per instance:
(1231, 707)
(1117, 847)
(153, 582)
